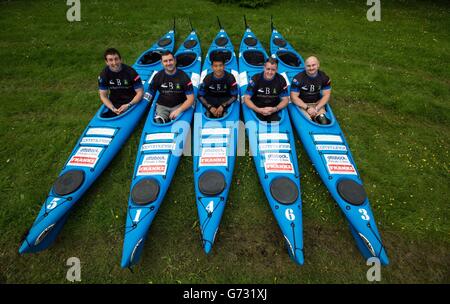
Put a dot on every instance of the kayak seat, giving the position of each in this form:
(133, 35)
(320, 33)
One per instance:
(145, 191)
(69, 182)
(164, 42)
(224, 53)
(255, 58)
(211, 183)
(289, 59)
(351, 192)
(150, 57)
(185, 59)
(279, 42)
(190, 44)
(250, 41)
(284, 190)
(221, 41)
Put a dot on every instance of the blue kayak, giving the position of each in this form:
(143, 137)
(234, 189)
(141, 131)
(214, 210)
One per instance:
(273, 149)
(290, 63)
(330, 154)
(95, 149)
(159, 153)
(215, 144)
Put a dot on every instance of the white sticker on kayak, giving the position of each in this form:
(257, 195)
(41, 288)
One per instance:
(286, 78)
(159, 136)
(216, 131)
(327, 138)
(243, 79)
(278, 163)
(272, 136)
(331, 148)
(101, 131)
(158, 146)
(214, 140)
(151, 77)
(203, 75)
(339, 164)
(85, 157)
(236, 75)
(195, 78)
(153, 164)
(274, 147)
(213, 157)
(95, 140)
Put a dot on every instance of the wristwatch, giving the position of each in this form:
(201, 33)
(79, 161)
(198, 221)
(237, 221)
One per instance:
(129, 105)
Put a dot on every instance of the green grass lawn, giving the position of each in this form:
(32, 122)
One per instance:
(391, 93)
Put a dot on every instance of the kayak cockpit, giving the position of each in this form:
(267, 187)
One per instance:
(254, 57)
(226, 54)
(289, 58)
(186, 59)
(150, 58)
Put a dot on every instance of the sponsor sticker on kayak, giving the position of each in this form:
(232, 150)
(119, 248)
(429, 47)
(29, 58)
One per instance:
(339, 164)
(327, 138)
(272, 136)
(159, 136)
(158, 146)
(278, 163)
(85, 157)
(101, 131)
(242, 79)
(274, 147)
(214, 140)
(195, 78)
(95, 140)
(216, 131)
(153, 164)
(213, 157)
(331, 148)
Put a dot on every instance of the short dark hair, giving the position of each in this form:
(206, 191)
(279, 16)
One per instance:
(111, 51)
(167, 53)
(218, 58)
(272, 60)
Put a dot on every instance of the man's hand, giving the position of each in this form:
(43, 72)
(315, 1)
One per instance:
(213, 111)
(122, 109)
(312, 112)
(174, 114)
(219, 111)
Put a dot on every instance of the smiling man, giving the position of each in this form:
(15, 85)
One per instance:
(311, 90)
(267, 92)
(176, 93)
(122, 83)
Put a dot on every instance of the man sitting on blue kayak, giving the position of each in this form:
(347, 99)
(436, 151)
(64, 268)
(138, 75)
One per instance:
(176, 93)
(311, 90)
(267, 92)
(121, 81)
(218, 90)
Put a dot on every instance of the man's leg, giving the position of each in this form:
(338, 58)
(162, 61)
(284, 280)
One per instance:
(162, 114)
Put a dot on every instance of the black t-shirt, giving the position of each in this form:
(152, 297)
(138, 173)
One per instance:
(121, 85)
(267, 93)
(310, 87)
(173, 89)
(218, 87)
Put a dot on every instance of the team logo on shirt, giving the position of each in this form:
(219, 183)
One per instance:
(178, 87)
(125, 82)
